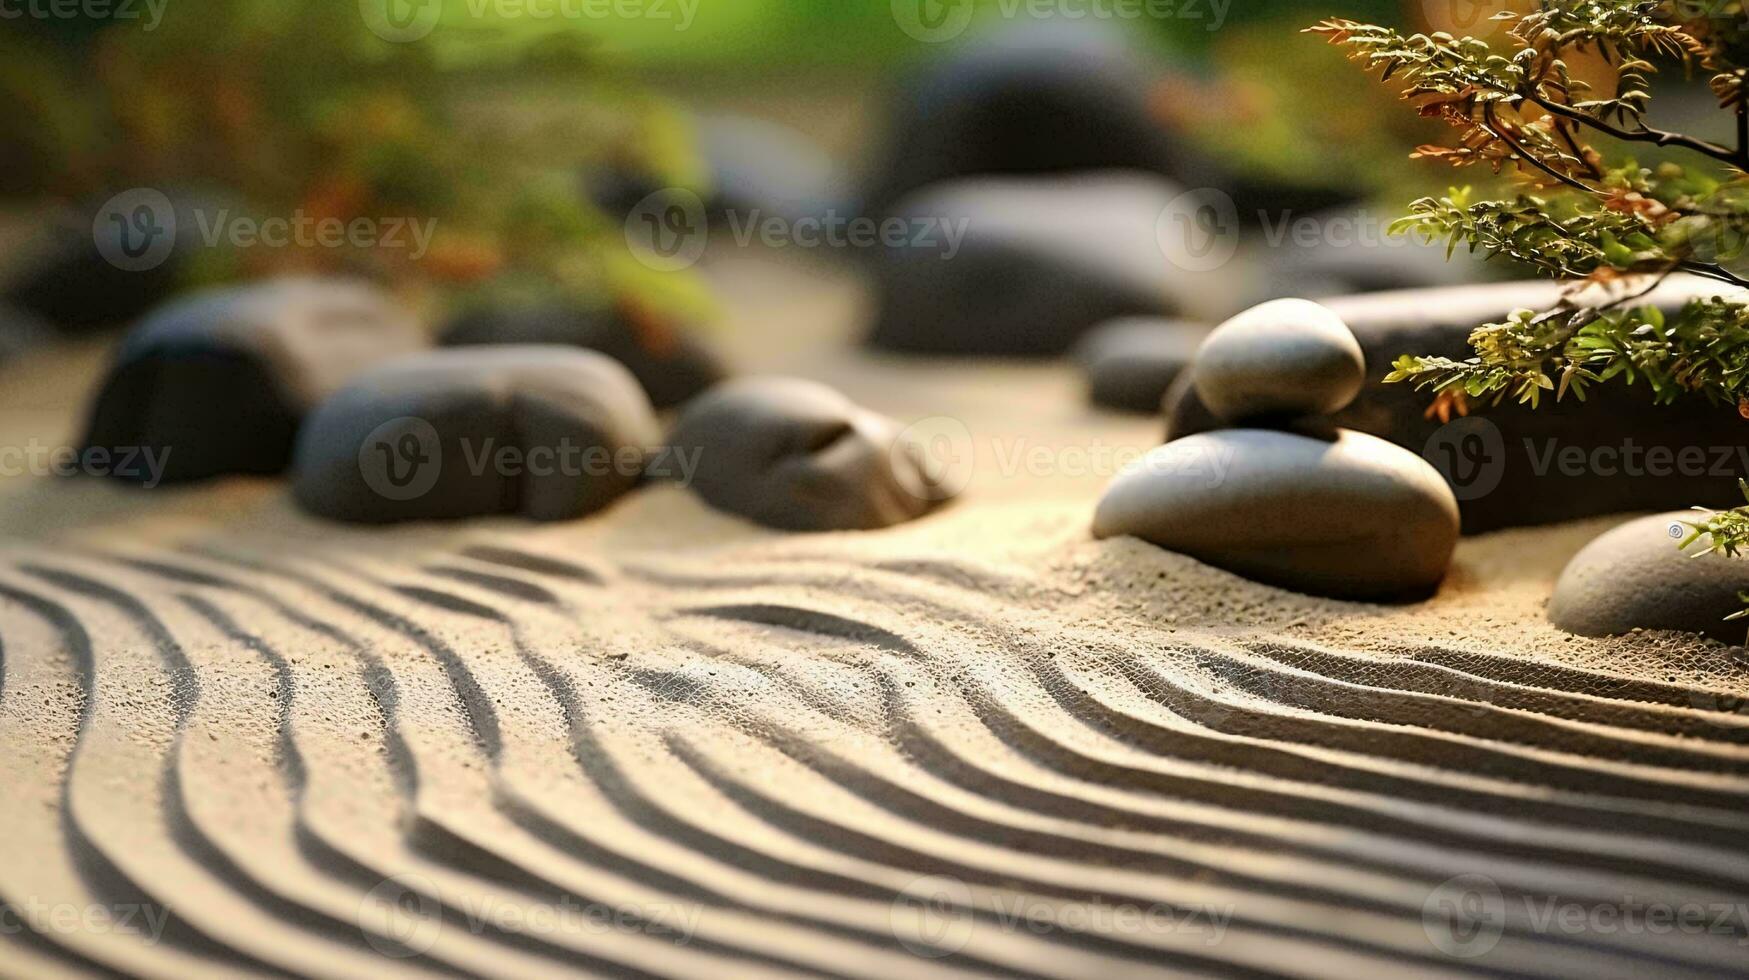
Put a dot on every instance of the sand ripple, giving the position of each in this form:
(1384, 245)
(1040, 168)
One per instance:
(500, 760)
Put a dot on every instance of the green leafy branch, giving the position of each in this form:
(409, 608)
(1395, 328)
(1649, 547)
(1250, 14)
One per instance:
(1623, 229)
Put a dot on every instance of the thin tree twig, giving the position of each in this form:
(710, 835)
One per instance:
(1645, 134)
(1492, 122)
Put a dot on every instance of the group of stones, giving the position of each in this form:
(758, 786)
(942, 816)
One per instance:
(335, 382)
(1043, 146)
(1288, 462)
(1280, 494)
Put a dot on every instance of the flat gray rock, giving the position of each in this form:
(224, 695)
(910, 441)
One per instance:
(1512, 466)
(1131, 362)
(1348, 516)
(1284, 359)
(219, 382)
(550, 433)
(1635, 577)
(672, 366)
(1037, 263)
(799, 456)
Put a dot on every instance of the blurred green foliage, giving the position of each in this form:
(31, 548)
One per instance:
(294, 108)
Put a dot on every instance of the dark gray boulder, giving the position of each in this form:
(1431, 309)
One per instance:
(1017, 267)
(219, 382)
(1635, 577)
(1131, 362)
(106, 263)
(550, 433)
(671, 363)
(1342, 515)
(1038, 99)
(1055, 97)
(798, 456)
(1511, 466)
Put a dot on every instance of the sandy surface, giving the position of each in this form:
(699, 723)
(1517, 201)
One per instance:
(663, 742)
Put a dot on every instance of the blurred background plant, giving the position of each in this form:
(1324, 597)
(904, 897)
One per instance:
(282, 108)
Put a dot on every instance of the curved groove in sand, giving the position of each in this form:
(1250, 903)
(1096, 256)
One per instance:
(797, 740)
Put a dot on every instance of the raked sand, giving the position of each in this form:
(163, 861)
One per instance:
(663, 742)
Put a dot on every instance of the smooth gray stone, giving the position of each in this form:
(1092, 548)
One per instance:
(672, 369)
(1511, 466)
(799, 456)
(1041, 262)
(1037, 98)
(1131, 362)
(551, 433)
(221, 380)
(1282, 360)
(1635, 577)
(1348, 516)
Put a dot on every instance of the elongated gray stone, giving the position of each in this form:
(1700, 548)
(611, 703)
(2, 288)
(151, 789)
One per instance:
(219, 382)
(551, 433)
(1348, 515)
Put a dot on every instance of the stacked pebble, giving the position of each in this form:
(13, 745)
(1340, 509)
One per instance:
(1280, 495)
